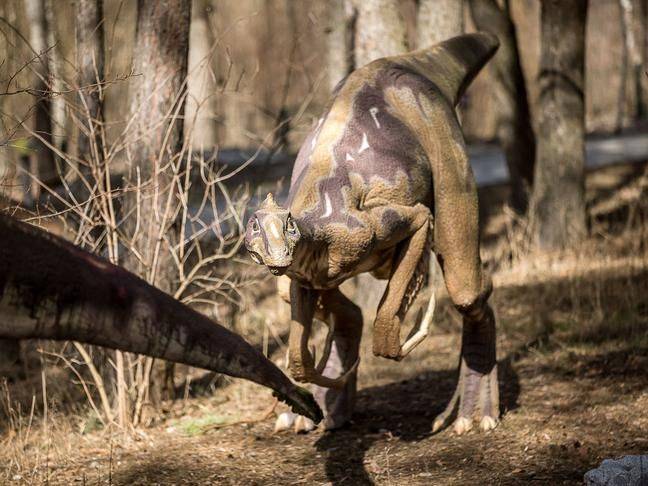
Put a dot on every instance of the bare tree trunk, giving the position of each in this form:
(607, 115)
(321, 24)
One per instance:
(341, 32)
(158, 100)
(643, 69)
(42, 163)
(55, 62)
(438, 20)
(558, 202)
(514, 129)
(90, 65)
(380, 30)
(200, 113)
(630, 92)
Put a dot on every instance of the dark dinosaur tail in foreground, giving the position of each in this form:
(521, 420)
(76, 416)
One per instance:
(50, 289)
(453, 63)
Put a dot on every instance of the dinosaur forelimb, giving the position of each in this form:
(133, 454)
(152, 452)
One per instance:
(302, 364)
(326, 354)
(404, 283)
(420, 331)
(301, 361)
(422, 327)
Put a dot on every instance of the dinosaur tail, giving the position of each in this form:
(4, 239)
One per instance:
(453, 63)
(50, 289)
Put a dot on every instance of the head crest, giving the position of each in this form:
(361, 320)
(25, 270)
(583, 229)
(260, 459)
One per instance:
(269, 203)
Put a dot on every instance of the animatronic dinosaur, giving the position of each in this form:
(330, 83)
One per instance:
(385, 161)
(50, 289)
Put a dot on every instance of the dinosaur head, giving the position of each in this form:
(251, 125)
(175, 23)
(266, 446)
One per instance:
(271, 236)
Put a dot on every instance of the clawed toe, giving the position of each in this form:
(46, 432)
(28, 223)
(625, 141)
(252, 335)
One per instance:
(285, 421)
(465, 424)
(303, 425)
(300, 424)
(462, 425)
(478, 399)
(488, 423)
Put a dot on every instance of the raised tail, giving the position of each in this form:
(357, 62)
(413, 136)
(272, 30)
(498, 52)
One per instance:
(453, 63)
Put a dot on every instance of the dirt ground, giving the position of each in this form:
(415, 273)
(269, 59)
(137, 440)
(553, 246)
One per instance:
(573, 365)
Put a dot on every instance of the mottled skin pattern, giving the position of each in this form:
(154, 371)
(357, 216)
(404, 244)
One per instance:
(381, 178)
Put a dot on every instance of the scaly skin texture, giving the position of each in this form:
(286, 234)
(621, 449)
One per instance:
(381, 178)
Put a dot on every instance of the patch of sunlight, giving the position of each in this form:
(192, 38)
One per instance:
(192, 426)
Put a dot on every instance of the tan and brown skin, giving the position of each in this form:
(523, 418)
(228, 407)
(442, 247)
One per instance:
(50, 289)
(381, 181)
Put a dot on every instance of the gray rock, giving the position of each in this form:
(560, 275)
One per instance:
(626, 471)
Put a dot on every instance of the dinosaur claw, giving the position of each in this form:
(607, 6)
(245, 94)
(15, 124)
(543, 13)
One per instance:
(284, 421)
(488, 423)
(463, 425)
(420, 332)
(438, 425)
(303, 425)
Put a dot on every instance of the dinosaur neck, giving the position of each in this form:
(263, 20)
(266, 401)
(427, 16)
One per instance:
(310, 260)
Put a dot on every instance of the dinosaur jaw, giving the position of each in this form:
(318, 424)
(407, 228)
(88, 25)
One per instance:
(277, 271)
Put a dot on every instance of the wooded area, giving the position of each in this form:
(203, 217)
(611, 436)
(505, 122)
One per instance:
(147, 132)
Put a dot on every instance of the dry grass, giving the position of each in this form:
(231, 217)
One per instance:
(573, 350)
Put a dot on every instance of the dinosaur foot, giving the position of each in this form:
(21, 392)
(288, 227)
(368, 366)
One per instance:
(299, 423)
(304, 425)
(337, 406)
(476, 397)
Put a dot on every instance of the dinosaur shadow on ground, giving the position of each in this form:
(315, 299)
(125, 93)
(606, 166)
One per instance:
(405, 410)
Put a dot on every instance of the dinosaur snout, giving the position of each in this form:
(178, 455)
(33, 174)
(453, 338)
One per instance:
(279, 259)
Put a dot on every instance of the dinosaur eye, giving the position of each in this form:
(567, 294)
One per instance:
(291, 226)
(255, 226)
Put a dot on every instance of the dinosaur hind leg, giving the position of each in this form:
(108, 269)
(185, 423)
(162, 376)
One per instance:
(346, 319)
(477, 393)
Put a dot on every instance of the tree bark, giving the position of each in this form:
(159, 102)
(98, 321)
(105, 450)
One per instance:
(643, 90)
(201, 110)
(558, 202)
(630, 92)
(340, 39)
(438, 20)
(42, 163)
(90, 65)
(380, 31)
(514, 129)
(50, 289)
(158, 99)
(157, 107)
